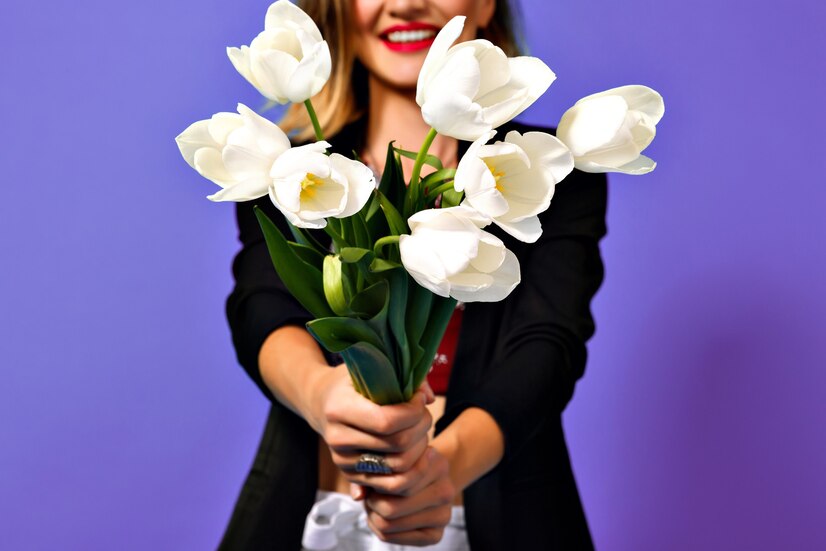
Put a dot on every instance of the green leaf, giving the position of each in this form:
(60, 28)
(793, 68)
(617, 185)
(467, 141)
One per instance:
(303, 237)
(431, 160)
(335, 289)
(308, 254)
(397, 224)
(439, 176)
(392, 183)
(381, 265)
(440, 312)
(418, 311)
(352, 255)
(375, 372)
(370, 302)
(337, 334)
(361, 234)
(398, 280)
(303, 280)
(451, 198)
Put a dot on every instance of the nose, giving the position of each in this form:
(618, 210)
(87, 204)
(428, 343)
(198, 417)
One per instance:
(406, 8)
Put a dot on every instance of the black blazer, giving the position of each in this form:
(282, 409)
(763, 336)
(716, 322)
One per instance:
(517, 359)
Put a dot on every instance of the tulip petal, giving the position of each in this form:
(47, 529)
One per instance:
(259, 132)
(493, 65)
(555, 160)
(505, 280)
(210, 165)
(311, 74)
(361, 183)
(640, 165)
(527, 230)
(455, 116)
(195, 137)
(245, 190)
(444, 39)
(222, 124)
(240, 59)
(243, 163)
(423, 265)
(286, 194)
(639, 98)
(460, 74)
(491, 253)
(272, 69)
(286, 14)
(589, 125)
(469, 285)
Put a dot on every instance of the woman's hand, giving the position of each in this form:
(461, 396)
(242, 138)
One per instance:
(352, 425)
(421, 517)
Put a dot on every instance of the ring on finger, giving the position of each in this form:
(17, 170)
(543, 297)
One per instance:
(372, 463)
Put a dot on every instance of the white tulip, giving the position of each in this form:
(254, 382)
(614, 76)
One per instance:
(471, 88)
(512, 182)
(607, 131)
(309, 186)
(449, 254)
(289, 61)
(236, 151)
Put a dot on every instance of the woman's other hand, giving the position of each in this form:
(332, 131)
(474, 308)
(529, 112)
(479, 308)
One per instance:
(419, 518)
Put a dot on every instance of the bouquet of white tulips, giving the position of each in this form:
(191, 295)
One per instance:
(405, 249)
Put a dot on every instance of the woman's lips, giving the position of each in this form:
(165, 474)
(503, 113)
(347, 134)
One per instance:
(410, 37)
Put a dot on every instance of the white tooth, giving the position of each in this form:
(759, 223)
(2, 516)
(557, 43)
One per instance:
(409, 36)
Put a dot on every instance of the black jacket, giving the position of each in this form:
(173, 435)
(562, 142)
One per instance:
(517, 359)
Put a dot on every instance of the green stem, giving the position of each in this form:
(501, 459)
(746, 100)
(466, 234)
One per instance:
(413, 190)
(438, 190)
(319, 135)
(337, 238)
(387, 240)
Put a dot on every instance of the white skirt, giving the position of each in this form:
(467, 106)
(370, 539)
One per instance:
(339, 522)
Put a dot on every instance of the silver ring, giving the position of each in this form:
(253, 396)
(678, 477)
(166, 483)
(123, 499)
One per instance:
(371, 463)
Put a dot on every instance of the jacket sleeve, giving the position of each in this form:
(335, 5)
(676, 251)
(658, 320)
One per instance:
(540, 351)
(259, 303)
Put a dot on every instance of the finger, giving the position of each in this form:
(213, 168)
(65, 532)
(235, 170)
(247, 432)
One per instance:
(440, 493)
(397, 462)
(357, 492)
(347, 439)
(435, 517)
(418, 538)
(361, 413)
(428, 468)
(428, 391)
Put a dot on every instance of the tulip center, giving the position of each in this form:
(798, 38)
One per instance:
(308, 185)
(497, 175)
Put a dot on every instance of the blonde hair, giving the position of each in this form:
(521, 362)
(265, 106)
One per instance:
(344, 98)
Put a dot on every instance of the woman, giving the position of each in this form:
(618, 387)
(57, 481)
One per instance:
(498, 449)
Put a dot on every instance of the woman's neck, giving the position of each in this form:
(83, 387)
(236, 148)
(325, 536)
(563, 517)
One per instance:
(393, 115)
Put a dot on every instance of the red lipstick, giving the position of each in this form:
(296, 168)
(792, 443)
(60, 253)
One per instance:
(410, 37)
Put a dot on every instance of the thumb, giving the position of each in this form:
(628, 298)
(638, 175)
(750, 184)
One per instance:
(430, 396)
(357, 491)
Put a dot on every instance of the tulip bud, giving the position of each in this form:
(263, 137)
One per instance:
(236, 151)
(449, 254)
(607, 132)
(289, 61)
(471, 88)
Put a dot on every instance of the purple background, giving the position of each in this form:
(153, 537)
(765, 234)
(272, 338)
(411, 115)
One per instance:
(124, 420)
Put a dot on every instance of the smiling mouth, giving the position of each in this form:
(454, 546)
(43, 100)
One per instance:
(406, 37)
(409, 38)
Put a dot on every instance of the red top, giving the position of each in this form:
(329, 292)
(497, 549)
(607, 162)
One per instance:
(443, 362)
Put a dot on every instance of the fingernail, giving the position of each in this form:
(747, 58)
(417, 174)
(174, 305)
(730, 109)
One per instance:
(355, 491)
